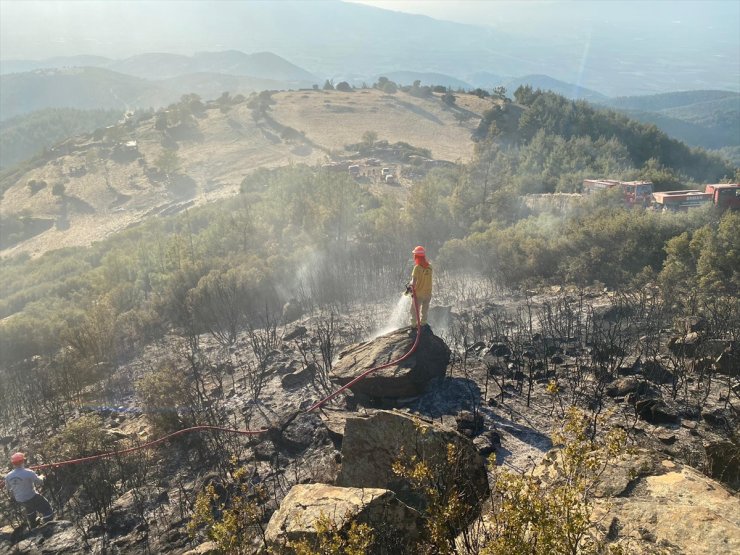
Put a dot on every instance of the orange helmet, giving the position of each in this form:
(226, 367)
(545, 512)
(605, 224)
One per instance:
(17, 458)
(419, 251)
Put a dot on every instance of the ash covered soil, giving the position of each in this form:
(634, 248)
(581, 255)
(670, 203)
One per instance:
(517, 363)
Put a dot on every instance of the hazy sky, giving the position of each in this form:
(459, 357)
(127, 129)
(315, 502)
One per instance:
(695, 44)
(43, 28)
(557, 15)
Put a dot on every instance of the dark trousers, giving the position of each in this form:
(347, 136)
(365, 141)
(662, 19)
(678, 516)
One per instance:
(38, 504)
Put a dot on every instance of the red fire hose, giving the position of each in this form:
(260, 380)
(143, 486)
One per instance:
(184, 431)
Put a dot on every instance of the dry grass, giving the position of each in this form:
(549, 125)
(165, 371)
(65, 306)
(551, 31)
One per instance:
(334, 119)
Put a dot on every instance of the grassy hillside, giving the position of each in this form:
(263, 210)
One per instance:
(163, 163)
(336, 119)
(208, 151)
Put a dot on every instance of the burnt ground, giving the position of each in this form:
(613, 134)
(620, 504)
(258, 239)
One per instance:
(507, 386)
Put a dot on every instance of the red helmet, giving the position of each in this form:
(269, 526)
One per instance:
(419, 251)
(17, 458)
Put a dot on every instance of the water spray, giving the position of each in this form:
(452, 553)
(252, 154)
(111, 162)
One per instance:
(398, 317)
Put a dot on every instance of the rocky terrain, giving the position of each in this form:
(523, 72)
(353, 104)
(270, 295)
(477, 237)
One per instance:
(673, 491)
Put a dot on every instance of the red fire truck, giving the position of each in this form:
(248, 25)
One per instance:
(635, 193)
(725, 195)
(680, 200)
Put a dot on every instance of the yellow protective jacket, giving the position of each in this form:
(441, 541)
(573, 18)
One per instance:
(421, 278)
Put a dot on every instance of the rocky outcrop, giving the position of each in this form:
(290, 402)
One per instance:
(295, 333)
(207, 548)
(395, 525)
(408, 379)
(55, 538)
(647, 505)
(629, 384)
(685, 345)
(672, 510)
(655, 411)
(372, 445)
(299, 377)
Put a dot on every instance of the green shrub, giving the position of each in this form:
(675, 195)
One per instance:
(165, 398)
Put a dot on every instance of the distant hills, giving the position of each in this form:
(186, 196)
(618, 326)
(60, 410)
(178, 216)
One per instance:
(706, 118)
(143, 81)
(262, 65)
(670, 101)
(22, 66)
(427, 78)
(709, 119)
(157, 79)
(81, 88)
(547, 83)
(23, 136)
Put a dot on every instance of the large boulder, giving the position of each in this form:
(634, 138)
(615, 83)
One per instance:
(645, 505)
(628, 384)
(300, 377)
(723, 462)
(672, 507)
(685, 345)
(728, 363)
(655, 411)
(373, 444)
(408, 379)
(395, 525)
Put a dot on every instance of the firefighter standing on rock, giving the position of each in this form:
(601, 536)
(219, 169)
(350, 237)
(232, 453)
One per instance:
(420, 285)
